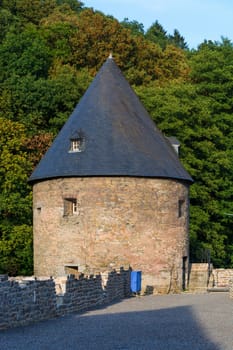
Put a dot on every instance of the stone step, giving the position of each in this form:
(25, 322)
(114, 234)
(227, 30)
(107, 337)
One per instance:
(218, 289)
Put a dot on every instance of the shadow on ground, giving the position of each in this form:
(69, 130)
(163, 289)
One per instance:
(173, 328)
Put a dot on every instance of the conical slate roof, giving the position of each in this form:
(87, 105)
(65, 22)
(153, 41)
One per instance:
(116, 134)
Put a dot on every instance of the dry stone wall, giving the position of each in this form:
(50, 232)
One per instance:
(24, 301)
(27, 300)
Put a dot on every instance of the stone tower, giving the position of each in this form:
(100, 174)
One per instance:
(111, 191)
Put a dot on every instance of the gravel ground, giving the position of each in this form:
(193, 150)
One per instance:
(169, 322)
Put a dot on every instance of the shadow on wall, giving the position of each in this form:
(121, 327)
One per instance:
(149, 290)
(27, 300)
(162, 329)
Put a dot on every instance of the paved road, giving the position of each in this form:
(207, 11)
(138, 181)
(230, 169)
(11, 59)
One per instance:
(170, 322)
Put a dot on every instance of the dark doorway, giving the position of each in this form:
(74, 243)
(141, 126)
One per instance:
(72, 270)
(184, 272)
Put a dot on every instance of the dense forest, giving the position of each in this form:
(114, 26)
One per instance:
(50, 50)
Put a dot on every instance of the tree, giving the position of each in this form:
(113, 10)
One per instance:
(135, 27)
(16, 256)
(37, 145)
(157, 34)
(179, 110)
(48, 56)
(43, 104)
(34, 10)
(212, 73)
(7, 20)
(178, 40)
(24, 53)
(173, 65)
(58, 29)
(15, 201)
(74, 5)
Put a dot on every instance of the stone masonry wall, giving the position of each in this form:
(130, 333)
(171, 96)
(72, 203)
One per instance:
(27, 300)
(231, 288)
(222, 277)
(203, 277)
(24, 301)
(136, 222)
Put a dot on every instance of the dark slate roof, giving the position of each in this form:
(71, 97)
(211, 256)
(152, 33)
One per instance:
(117, 134)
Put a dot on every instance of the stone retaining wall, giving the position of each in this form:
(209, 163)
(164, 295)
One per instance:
(203, 277)
(221, 277)
(231, 289)
(27, 300)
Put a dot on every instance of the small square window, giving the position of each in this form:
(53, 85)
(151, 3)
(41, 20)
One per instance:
(70, 206)
(75, 145)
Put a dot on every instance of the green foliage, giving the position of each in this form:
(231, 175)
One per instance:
(135, 27)
(30, 11)
(212, 74)
(15, 200)
(178, 40)
(74, 5)
(44, 104)
(50, 51)
(199, 114)
(7, 20)
(16, 256)
(24, 53)
(157, 34)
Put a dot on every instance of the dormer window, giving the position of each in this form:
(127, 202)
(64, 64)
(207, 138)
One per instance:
(77, 142)
(75, 145)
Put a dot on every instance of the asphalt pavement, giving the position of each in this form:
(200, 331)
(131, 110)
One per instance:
(168, 322)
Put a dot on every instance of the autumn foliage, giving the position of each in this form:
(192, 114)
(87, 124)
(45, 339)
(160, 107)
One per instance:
(49, 54)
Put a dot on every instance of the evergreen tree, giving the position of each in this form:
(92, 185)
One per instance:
(178, 40)
(157, 34)
(135, 27)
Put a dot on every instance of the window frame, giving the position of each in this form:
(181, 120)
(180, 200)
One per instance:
(76, 145)
(70, 207)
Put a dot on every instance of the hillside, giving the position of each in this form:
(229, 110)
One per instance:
(50, 53)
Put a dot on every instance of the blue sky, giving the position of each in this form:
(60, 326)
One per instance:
(196, 20)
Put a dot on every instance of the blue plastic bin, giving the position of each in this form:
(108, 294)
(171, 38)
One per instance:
(135, 281)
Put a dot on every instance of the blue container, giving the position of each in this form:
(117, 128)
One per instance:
(135, 281)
